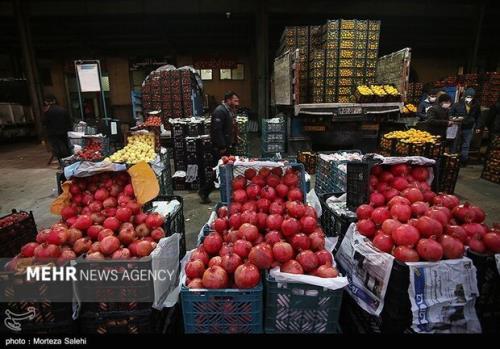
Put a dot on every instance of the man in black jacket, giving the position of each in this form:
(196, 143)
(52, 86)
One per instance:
(470, 110)
(222, 136)
(437, 120)
(57, 123)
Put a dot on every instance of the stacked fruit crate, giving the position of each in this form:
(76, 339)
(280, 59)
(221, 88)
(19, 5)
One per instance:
(242, 147)
(491, 171)
(273, 136)
(415, 90)
(490, 88)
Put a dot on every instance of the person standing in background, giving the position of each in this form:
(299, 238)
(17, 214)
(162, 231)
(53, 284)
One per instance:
(57, 123)
(470, 110)
(437, 121)
(221, 135)
(491, 121)
(426, 104)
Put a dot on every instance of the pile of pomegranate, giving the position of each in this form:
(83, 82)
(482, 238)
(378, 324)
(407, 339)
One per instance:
(266, 225)
(407, 219)
(103, 220)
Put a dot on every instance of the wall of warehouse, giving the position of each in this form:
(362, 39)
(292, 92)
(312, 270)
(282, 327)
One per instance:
(119, 87)
(217, 87)
(430, 68)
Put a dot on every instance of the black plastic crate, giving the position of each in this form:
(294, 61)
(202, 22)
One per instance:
(179, 183)
(448, 173)
(14, 234)
(333, 224)
(195, 129)
(117, 322)
(488, 282)
(301, 308)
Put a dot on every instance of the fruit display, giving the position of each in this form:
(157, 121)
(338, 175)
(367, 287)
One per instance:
(364, 90)
(140, 147)
(13, 219)
(412, 136)
(266, 225)
(228, 159)
(92, 151)
(409, 109)
(154, 121)
(102, 220)
(405, 218)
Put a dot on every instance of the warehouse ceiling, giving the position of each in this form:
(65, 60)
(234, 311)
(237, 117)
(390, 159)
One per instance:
(93, 27)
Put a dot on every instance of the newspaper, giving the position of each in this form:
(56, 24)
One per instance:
(367, 270)
(443, 296)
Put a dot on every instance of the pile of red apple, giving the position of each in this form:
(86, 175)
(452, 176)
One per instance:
(407, 219)
(91, 151)
(102, 220)
(266, 225)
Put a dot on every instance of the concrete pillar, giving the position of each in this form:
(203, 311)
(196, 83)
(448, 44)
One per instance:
(262, 51)
(30, 66)
(119, 87)
(58, 84)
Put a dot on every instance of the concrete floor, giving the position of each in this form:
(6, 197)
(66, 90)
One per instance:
(28, 183)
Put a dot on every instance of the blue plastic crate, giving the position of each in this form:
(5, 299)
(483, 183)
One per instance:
(293, 307)
(222, 311)
(228, 172)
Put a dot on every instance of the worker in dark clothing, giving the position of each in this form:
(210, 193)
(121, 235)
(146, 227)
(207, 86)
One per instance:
(222, 136)
(470, 110)
(437, 117)
(491, 121)
(57, 123)
(426, 104)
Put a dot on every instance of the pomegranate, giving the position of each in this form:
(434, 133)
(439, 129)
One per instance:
(261, 221)
(366, 227)
(157, 234)
(220, 225)
(127, 235)
(457, 232)
(377, 199)
(438, 215)
(429, 227)
(249, 217)
(72, 220)
(246, 276)
(290, 180)
(154, 220)
(389, 226)
(111, 223)
(110, 203)
(144, 248)
(292, 267)
(382, 186)
(380, 214)
(215, 277)
(230, 262)
(295, 195)
(82, 245)
(419, 208)
(326, 271)
(464, 213)
(222, 212)
(216, 260)
(142, 230)
(289, 227)
(83, 222)
(390, 193)
(235, 221)
(66, 255)
(268, 193)
(324, 257)
(308, 224)
(195, 269)
(95, 206)
(364, 211)
(430, 250)
(276, 208)
(250, 173)
(413, 195)
(398, 200)
(273, 180)
(479, 214)
(129, 190)
(274, 222)
(231, 236)
(253, 191)
(108, 245)
(124, 214)
(103, 233)
(282, 252)
(383, 242)
(429, 196)
(300, 242)
(405, 254)
(28, 250)
(477, 246)
(492, 242)
(452, 248)
(263, 205)
(308, 260)
(212, 243)
(94, 247)
(101, 194)
(95, 256)
(261, 255)
(242, 248)
(281, 190)
(195, 283)
(386, 177)
(400, 170)
(272, 237)
(473, 230)
(401, 212)
(240, 196)
(74, 234)
(259, 180)
(200, 254)
(226, 248)
(420, 173)
(58, 236)
(310, 212)
(249, 232)
(295, 209)
(317, 241)
(121, 253)
(68, 212)
(405, 235)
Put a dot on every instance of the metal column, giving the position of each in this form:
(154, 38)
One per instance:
(262, 43)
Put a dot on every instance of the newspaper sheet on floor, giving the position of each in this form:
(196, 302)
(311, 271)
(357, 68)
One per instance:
(443, 296)
(367, 270)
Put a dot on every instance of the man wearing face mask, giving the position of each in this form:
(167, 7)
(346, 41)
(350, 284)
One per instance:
(437, 117)
(470, 110)
(426, 104)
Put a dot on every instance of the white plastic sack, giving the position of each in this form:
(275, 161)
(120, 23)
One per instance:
(165, 262)
(313, 200)
(88, 168)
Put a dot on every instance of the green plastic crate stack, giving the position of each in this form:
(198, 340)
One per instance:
(242, 145)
